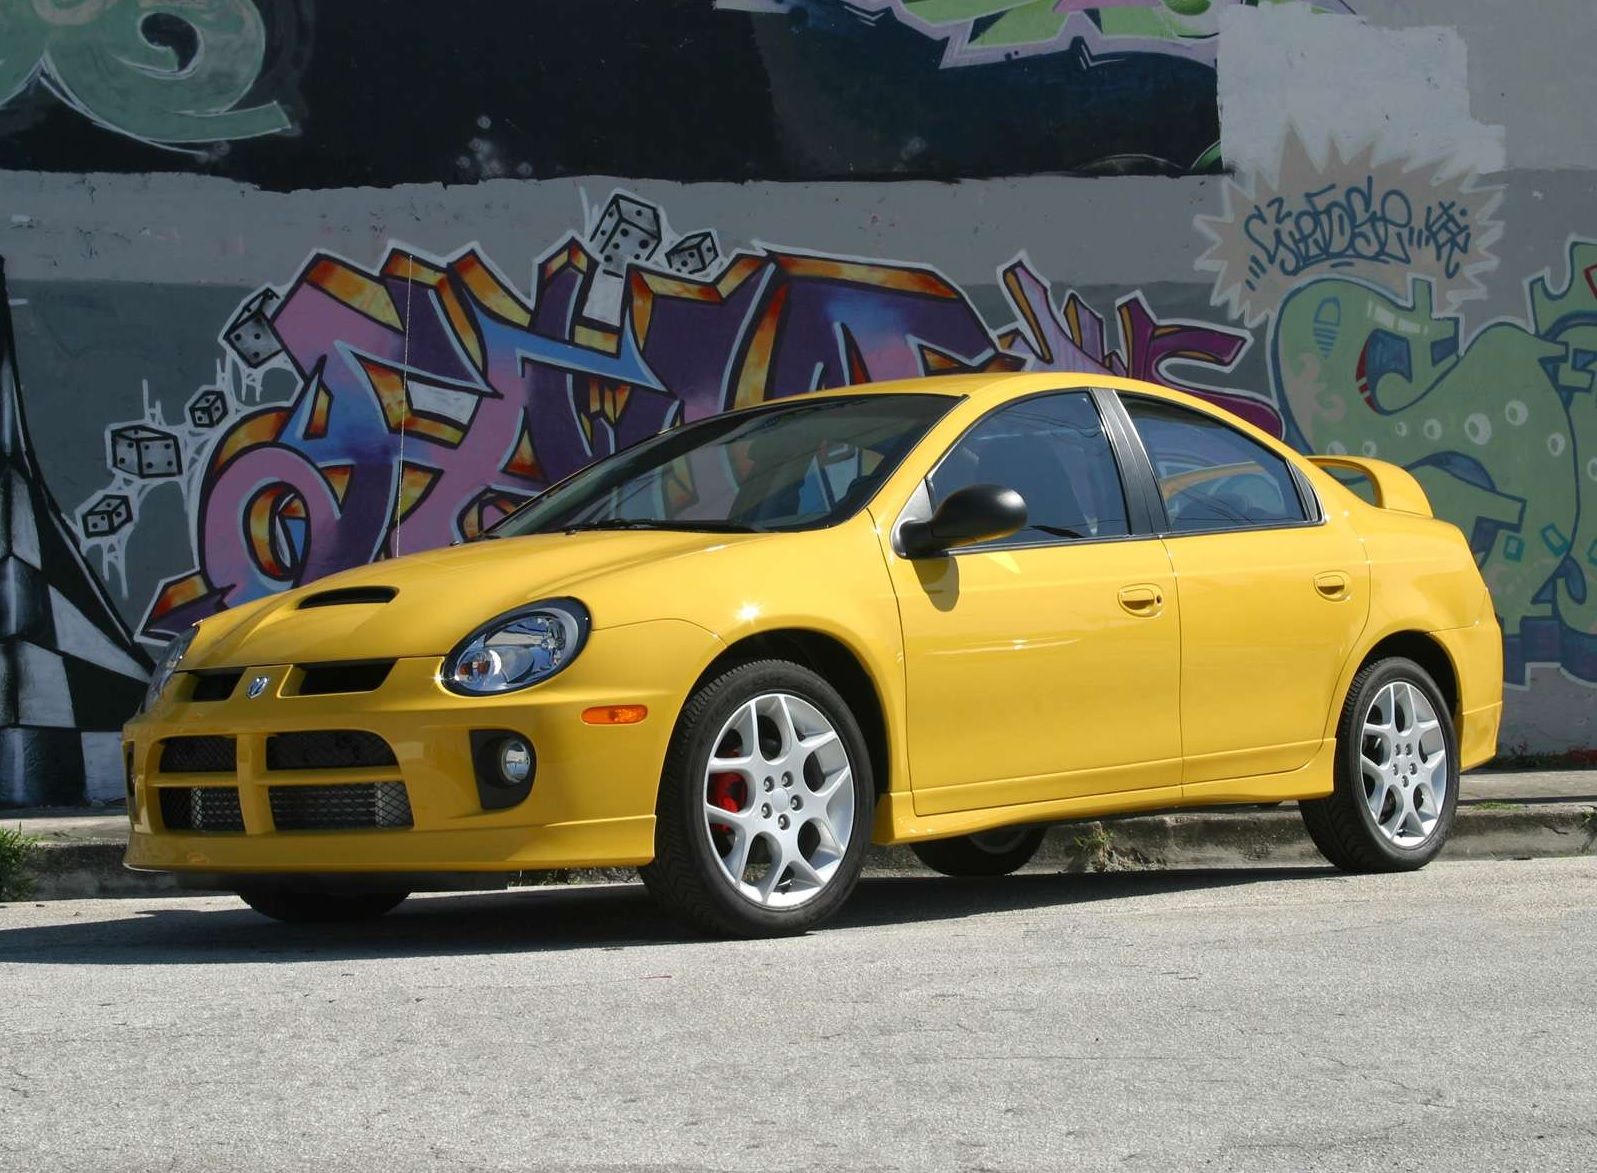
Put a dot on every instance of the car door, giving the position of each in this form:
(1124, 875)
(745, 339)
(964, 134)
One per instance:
(1044, 665)
(1273, 594)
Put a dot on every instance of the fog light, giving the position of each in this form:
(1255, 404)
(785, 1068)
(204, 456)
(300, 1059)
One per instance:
(515, 761)
(506, 766)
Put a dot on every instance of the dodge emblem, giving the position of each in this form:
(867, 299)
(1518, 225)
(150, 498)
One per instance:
(257, 686)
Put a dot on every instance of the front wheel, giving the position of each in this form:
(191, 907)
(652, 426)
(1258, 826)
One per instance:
(1396, 782)
(322, 908)
(986, 853)
(765, 804)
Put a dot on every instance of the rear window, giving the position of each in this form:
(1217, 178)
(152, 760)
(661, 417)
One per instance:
(1211, 476)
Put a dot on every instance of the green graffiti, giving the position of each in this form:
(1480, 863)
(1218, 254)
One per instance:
(980, 27)
(1502, 433)
(1019, 22)
(98, 56)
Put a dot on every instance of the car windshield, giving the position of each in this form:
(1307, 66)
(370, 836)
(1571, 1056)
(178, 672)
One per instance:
(799, 464)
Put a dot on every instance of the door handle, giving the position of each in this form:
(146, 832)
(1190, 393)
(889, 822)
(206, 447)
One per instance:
(1332, 585)
(1142, 600)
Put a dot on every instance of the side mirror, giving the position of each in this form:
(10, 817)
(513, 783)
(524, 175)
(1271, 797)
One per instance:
(976, 513)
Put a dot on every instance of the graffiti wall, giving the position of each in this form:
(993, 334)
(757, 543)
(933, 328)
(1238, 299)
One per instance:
(262, 90)
(1359, 275)
(251, 340)
(432, 396)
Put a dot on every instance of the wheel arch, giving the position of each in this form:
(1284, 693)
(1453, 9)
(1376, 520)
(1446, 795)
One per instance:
(832, 659)
(1426, 651)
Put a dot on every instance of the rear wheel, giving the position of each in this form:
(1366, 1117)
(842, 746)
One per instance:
(765, 804)
(1396, 786)
(322, 908)
(986, 853)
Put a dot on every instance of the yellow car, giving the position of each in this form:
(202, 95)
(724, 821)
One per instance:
(943, 613)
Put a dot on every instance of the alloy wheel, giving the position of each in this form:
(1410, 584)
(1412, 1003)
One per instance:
(1403, 764)
(778, 801)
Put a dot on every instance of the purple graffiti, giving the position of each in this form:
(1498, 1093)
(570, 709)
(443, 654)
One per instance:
(433, 397)
(1071, 338)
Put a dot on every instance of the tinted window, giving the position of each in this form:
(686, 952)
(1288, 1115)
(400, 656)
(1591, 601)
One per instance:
(799, 464)
(1210, 475)
(1052, 450)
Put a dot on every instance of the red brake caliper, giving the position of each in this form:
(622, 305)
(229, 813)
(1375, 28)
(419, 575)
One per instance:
(729, 792)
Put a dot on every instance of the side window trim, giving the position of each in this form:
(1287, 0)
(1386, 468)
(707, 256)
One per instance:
(918, 507)
(1144, 507)
(1308, 499)
(1312, 507)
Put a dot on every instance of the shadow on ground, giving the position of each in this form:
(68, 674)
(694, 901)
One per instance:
(539, 919)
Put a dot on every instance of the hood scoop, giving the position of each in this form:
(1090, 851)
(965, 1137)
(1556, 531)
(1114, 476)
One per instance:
(348, 595)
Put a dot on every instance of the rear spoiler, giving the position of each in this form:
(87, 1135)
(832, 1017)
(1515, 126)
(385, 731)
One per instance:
(1394, 487)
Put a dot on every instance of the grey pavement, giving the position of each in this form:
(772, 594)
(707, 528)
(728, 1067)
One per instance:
(1260, 1019)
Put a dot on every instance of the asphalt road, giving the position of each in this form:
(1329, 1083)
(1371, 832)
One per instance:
(1223, 1020)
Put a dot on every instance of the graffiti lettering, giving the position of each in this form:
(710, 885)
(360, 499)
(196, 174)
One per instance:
(1357, 272)
(1338, 224)
(1352, 215)
(976, 32)
(1500, 431)
(109, 60)
(433, 397)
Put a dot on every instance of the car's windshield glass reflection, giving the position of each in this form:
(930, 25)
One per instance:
(801, 464)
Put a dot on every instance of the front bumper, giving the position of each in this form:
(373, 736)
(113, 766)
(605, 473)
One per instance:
(592, 798)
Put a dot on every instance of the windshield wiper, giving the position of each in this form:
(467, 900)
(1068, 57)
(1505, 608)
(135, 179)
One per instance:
(720, 527)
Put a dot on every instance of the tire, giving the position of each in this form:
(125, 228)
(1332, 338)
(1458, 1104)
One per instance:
(989, 853)
(322, 908)
(1386, 751)
(792, 820)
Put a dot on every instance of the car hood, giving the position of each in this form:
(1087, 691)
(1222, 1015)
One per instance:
(439, 596)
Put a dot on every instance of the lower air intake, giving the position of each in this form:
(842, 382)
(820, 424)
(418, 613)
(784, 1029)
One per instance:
(201, 808)
(327, 749)
(352, 807)
(198, 755)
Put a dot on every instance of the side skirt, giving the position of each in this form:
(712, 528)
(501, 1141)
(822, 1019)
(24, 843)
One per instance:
(897, 822)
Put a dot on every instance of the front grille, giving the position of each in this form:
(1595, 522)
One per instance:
(321, 679)
(340, 808)
(327, 749)
(199, 755)
(201, 808)
(214, 686)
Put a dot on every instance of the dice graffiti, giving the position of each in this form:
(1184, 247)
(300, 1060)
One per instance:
(143, 451)
(432, 396)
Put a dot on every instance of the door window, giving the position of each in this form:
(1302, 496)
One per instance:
(1052, 450)
(1210, 475)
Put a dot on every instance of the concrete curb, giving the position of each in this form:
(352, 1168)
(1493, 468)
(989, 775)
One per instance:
(82, 868)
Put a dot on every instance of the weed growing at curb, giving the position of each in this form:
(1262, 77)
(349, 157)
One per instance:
(16, 850)
(1098, 846)
(1494, 805)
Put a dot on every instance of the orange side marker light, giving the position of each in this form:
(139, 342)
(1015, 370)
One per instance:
(615, 714)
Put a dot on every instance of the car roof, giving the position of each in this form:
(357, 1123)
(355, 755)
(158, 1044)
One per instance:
(997, 387)
(990, 390)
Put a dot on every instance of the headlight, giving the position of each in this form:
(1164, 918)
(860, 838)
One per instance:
(520, 648)
(166, 666)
